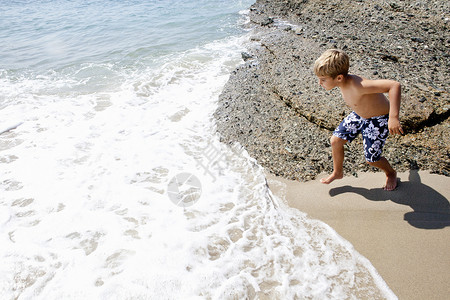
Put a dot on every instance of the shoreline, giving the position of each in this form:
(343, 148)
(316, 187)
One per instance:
(273, 106)
(405, 233)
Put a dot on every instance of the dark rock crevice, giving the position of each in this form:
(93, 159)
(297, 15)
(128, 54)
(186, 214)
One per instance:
(309, 117)
(432, 120)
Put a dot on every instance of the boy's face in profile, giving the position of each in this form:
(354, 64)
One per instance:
(329, 83)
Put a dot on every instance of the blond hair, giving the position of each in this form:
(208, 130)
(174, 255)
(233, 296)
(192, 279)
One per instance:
(332, 62)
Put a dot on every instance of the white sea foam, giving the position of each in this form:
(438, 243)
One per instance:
(85, 212)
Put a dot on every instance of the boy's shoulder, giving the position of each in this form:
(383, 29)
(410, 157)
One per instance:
(353, 81)
(353, 78)
(359, 82)
(357, 86)
(360, 85)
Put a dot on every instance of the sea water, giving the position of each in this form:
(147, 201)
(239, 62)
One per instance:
(113, 182)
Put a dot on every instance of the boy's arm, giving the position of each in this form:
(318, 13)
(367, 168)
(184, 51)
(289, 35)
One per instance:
(394, 109)
(394, 89)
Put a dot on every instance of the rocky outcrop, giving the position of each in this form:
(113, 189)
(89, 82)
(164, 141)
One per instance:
(274, 107)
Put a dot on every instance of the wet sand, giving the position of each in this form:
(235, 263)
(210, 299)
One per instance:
(404, 233)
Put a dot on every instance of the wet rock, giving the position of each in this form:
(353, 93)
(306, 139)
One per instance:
(417, 40)
(246, 56)
(386, 57)
(266, 21)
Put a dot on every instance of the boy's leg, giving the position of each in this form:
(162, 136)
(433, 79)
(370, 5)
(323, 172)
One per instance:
(375, 134)
(391, 174)
(337, 151)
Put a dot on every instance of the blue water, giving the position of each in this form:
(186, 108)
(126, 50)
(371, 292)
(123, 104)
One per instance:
(46, 35)
(104, 105)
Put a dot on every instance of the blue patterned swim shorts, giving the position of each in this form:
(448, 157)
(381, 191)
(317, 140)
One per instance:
(374, 132)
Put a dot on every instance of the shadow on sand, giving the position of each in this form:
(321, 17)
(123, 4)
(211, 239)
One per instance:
(431, 210)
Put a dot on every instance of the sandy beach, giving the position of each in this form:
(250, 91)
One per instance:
(404, 233)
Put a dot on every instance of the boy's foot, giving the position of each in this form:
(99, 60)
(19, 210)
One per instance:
(391, 182)
(331, 178)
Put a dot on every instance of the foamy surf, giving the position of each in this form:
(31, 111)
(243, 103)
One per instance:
(5, 128)
(86, 211)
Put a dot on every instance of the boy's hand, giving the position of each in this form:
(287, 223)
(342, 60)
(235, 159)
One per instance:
(394, 126)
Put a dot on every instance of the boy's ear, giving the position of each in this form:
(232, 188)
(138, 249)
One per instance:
(340, 77)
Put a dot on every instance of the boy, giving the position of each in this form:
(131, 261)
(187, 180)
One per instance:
(373, 115)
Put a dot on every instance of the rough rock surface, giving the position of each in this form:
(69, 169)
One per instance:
(274, 107)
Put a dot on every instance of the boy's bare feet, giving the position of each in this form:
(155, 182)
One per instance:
(391, 182)
(332, 177)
